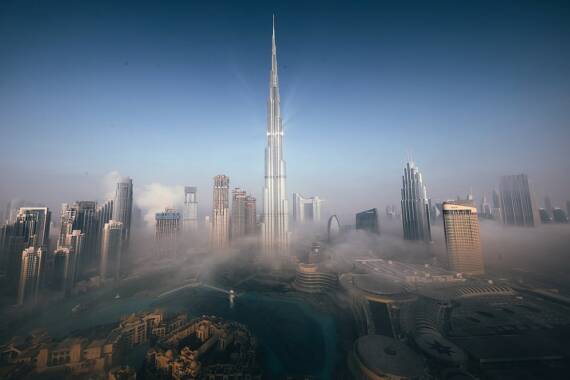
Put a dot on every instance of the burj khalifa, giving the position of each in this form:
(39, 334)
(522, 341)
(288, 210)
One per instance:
(274, 227)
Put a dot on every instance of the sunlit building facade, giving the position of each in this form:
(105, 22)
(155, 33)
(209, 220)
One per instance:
(462, 238)
(220, 223)
(32, 262)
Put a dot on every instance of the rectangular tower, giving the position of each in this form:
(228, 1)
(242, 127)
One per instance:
(123, 207)
(518, 208)
(368, 221)
(190, 222)
(167, 232)
(220, 225)
(462, 239)
(32, 260)
(238, 219)
(111, 250)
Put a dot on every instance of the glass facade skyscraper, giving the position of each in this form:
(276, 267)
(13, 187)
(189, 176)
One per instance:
(415, 205)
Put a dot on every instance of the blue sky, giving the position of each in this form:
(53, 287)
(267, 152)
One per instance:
(175, 93)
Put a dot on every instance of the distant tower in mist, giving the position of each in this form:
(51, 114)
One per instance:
(368, 221)
(462, 238)
(32, 263)
(250, 215)
(275, 219)
(111, 250)
(485, 210)
(518, 208)
(548, 205)
(30, 229)
(244, 214)
(103, 214)
(415, 205)
(190, 222)
(220, 224)
(123, 207)
(306, 209)
(559, 216)
(81, 216)
(238, 218)
(496, 211)
(167, 230)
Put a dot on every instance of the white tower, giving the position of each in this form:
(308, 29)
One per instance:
(275, 229)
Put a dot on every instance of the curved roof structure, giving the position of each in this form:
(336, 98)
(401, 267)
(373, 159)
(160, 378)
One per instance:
(385, 356)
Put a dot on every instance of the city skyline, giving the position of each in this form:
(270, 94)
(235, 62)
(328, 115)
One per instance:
(310, 171)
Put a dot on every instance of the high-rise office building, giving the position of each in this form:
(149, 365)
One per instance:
(275, 220)
(32, 261)
(548, 205)
(496, 210)
(190, 222)
(238, 218)
(103, 214)
(63, 264)
(167, 232)
(545, 217)
(123, 207)
(559, 216)
(368, 221)
(250, 215)
(111, 250)
(415, 207)
(518, 208)
(80, 216)
(485, 210)
(31, 228)
(462, 238)
(220, 225)
(66, 259)
(306, 209)
(35, 221)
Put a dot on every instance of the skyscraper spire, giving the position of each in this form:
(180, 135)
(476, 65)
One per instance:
(275, 231)
(273, 80)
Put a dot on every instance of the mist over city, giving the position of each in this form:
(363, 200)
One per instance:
(284, 190)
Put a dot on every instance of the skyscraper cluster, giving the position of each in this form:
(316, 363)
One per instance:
(89, 242)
